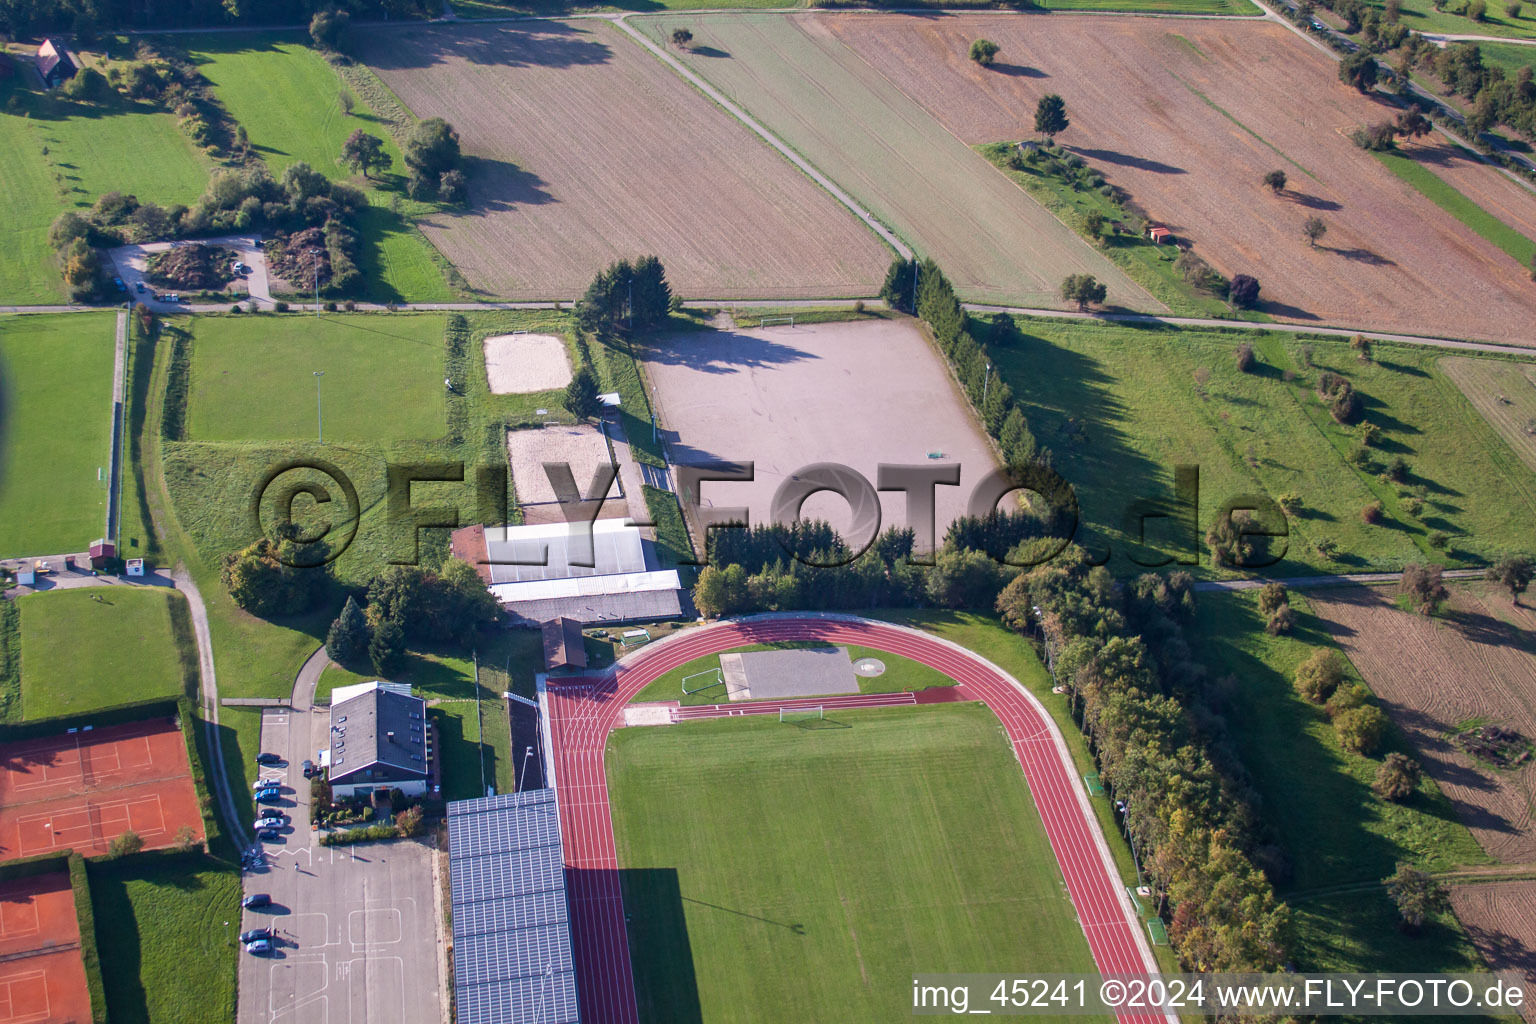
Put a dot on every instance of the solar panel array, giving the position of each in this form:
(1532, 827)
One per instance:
(511, 927)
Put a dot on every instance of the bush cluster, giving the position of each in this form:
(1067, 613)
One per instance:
(406, 603)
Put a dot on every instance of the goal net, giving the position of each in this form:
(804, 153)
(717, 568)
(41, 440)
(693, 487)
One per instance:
(775, 321)
(801, 714)
(701, 680)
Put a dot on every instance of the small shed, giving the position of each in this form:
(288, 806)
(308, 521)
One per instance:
(563, 646)
(54, 63)
(102, 552)
(135, 567)
(26, 575)
(1159, 234)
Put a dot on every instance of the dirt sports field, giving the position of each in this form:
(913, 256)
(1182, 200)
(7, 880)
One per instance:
(1500, 919)
(1183, 116)
(1435, 676)
(82, 790)
(787, 397)
(42, 978)
(583, 148)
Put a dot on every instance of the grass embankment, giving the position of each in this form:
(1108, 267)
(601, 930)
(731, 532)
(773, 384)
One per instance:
(1340, 837)
(843, 857)
(1120, 406)
(167, 929)
(290, 102)
(55, 430)
(901, 674)
(1449, 199)
(1053, 183)
(58, 155)
(84, 650)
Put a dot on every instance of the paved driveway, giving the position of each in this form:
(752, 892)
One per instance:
(357, 926)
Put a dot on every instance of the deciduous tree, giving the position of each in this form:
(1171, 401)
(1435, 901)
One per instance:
(1397, 778)
(1051, 116)
(1514, 573)
(1243, 291)
(1418, 896)
(681, 38)
(1425, 587)
(1084, 290)
(984, 52)
(364, 153)
(1275, 180)
(1318, 676)
(1313, 229)
(1359, 70)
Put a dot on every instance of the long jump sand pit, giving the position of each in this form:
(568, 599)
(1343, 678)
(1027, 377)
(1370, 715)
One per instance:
(524, 363)
(42, 975)
(1184, 115)
(581, 446)
(1476, 664)
(82, 790)
(1500, 919)
(784, 398)
(583, 148)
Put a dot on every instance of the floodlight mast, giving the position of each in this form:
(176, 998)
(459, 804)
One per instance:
(319, 409)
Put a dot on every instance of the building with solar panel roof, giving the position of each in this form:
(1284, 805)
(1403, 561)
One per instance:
(512, 961)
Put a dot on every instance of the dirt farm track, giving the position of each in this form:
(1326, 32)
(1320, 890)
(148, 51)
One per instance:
(583, 148)
(1478, 663)
(1184, 116)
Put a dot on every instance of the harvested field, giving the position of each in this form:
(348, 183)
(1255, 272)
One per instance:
(1505, 394)
(42, 975)
(1436, 676)
(82, 791)
(1184, 117)
(523, 363)
(583, 447)
(582, 148)
(995, 242)
(1500, 919)
(785, 398)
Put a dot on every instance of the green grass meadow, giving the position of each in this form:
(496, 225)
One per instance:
(288, 98)
(87, 649)
(167, 928)
(253, 377)
(58, 155)
(772, 872)
(1119, 407)
(55, 430)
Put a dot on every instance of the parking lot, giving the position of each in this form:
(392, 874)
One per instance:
(356, 927)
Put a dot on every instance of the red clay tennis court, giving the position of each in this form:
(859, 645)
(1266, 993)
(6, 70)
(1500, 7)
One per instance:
(42, 978)
(83, 789)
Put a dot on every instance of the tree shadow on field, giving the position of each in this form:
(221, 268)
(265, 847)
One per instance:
(722, 352)
(1109, 156)
(1282, 309)
(662, 956)
(543, 44)
(708, 51)
(1313, 202)
(1017, 70)
(502, 185)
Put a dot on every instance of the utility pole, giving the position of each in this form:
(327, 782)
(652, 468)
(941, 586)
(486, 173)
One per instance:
(316, 263)
(985, 381)
(319, 409)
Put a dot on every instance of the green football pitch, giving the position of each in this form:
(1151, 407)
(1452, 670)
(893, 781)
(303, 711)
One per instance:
(806, 871)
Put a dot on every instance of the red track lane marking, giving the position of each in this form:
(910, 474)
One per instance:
(583, 713)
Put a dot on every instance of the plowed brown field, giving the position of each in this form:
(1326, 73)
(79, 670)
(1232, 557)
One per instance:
(1433, 675)
(1500, 919)
(582, 148)
(1188, 116)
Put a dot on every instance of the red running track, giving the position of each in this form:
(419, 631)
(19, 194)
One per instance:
(582, 712)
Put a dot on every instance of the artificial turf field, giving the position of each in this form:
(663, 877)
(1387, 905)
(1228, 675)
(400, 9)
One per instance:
(55, 431)
(82, 650)
(253, 377)
(779, 872)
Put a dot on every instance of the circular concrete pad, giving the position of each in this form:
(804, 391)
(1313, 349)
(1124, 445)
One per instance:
(868, 667)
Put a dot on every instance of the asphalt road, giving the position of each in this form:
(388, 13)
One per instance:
(357, 926)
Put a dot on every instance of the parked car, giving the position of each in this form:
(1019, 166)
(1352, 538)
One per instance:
(268, 835)
(256, 934)
(310, 771)
(117, 283)
(260, 947)
(272, 813)
(139, 287)
(268, 796)
(257, 899)
(267, 757)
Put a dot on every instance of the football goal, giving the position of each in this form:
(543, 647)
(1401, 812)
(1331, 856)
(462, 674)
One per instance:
(814, 714)
(701, 680)
(775, 321)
